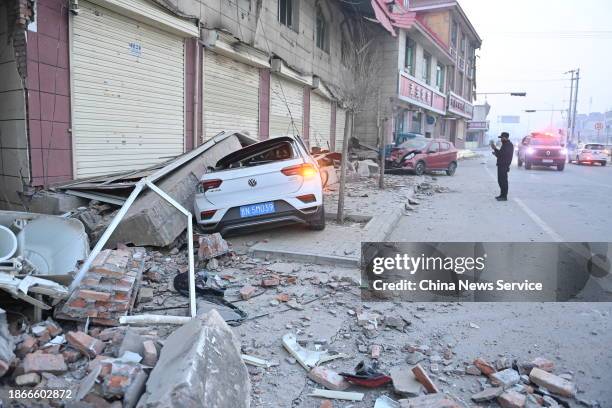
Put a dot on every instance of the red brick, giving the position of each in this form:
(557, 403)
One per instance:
(283, 297)
(86, 344)
(484, 367)
(93, 295)
(326, 404)
(53, 328)
(211, 246)
(4, 367)
(328, 378)
(270, 282)
(26, 346)
(552, 383)
(70, 356)
(512, 399)
(40, 362)
(78, 303)
(543, 364)
(246, 292)
(423, 378)
(150, 353)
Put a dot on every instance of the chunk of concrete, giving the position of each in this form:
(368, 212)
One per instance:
(404, 381)
(7, 345)
(200, 365)
(153, 221)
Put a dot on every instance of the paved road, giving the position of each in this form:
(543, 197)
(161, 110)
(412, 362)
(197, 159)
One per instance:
(544, 205)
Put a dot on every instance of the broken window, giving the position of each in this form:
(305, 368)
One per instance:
(260, 153)
(322, 31)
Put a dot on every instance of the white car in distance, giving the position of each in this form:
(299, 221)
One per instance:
(271, 183)
(589, 153)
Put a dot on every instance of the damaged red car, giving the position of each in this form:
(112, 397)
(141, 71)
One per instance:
(420, 155)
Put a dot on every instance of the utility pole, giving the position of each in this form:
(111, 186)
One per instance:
(575, 103)
(348, 131)
(569, 109)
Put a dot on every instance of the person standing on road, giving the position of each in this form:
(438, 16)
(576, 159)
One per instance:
(504, 159)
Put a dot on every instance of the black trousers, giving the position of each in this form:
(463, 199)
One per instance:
(502, 179)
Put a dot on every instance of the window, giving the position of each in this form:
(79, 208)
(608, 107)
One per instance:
(322, 31)
(434, 147)
(459, 85)
(444, 147)
(462, 47)
(426, 68)
(440, 77)
(454, 32)
(287, 13)
(451, 79)
(415, 123)
(468, 90)
(409, 57)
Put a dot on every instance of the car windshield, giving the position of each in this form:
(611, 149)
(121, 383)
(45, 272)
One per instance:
(594, 147)
(545, 141)
(414, 144)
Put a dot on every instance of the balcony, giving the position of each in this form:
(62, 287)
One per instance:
(417, 93)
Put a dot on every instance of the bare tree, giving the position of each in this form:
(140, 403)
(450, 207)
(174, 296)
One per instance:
(359, 86)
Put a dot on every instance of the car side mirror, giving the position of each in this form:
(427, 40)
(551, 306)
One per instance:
(431, 151)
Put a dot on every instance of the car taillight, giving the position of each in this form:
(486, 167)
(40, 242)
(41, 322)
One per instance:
(206, 185)
(307, 198)
(305, 170)
(205, 215)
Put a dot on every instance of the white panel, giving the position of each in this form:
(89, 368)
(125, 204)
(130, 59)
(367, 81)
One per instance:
(340, 120)
(286, 107)
(230, 96)
(128, 93)
(320, 121)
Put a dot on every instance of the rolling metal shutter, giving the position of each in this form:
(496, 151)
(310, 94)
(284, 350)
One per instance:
(286, 103)
(320, 120)
(340, 120)
(230, 96)
(127, 90)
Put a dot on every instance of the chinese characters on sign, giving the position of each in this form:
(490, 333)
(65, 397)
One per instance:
(459, 106)
(418, 94)
(478, 125)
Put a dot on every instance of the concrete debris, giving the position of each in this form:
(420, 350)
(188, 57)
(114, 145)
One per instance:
(430, 401)
(195, 366)
(150, 353)
(385, 402)
(108, 291)
(341, 395)
(257, 362)
(484, 367)
(307, 358)
(543, 364)
(405, 382)
(367, 168)
(487, 394)
(7, 345)
(211, 246)
(27, 379)
(552, 383)
(505, 378)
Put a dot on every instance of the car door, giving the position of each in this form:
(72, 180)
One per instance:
(446, 155)
(432, 158)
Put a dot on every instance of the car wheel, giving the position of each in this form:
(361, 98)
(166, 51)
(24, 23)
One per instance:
(452, 167)
(603, 163)
(560, 167)
(318, 221)
(419, 169)
(527, 165)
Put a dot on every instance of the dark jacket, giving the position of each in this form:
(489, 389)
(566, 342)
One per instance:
(504, 154)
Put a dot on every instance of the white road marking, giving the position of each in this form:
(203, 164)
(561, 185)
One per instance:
(538, 220)
(534, 217)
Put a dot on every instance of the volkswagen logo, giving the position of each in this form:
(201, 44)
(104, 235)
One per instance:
(548, 152)
(252, 182)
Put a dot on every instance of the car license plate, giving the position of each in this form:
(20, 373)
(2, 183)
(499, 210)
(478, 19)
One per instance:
(254, 210)
(547, 161)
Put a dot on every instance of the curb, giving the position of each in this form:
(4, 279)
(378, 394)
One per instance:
(333, 260)
(380, 226)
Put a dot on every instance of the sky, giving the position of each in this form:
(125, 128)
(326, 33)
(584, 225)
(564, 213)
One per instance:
(529, 44)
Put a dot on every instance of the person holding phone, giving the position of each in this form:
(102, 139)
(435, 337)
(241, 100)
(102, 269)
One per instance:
(504, 159)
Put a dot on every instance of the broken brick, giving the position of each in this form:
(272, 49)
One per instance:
(328, 378)
(283, 297)
(484, 367)
(86, 344)
(505, 378)
(70, 356)
(26, 346)
(41, 362)
(512, 399)
(246, 292)
(543, 364)
(150, 353)
(270, 282)
(211, 246)
(4, 367)
(326, 404)
(376, 350)
(27, 379)
(424, 379)
(487, 394)
(93, 295)
(552, 383)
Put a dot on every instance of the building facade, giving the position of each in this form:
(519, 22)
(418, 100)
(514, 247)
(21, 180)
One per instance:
(478, 127)
(430, 80)
(94, 87)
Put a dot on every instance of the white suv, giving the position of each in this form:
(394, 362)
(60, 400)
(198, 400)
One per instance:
(274, 182)
(589, 153)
